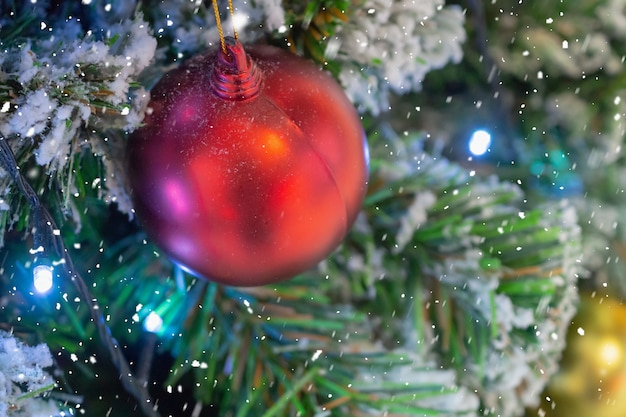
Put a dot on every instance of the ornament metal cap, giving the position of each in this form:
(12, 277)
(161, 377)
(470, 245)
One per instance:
(235, 76)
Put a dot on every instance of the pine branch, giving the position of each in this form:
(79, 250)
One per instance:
(434, 258)
(236, 342)
(46, 237)
(51, 91)
(480, 263)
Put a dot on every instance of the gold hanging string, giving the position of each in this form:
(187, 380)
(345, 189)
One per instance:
(218, 20)
(232, 17)
(216, 11)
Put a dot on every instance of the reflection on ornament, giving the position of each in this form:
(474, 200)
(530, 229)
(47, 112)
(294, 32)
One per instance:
(251, 167)
(592, 380)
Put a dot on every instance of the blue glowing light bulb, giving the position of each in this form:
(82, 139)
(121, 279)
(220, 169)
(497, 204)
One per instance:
(43, 278)
(153, 322)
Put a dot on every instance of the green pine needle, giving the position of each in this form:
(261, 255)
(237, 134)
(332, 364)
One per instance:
(296, 387)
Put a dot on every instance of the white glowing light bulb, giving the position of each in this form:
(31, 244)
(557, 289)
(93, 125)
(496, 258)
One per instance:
(240, 20)
(153, 322)
(43, 278)
(480, 142)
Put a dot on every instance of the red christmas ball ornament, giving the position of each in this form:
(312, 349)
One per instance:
(251, 166)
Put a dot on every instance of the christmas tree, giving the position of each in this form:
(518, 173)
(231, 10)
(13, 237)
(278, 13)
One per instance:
(494, 137)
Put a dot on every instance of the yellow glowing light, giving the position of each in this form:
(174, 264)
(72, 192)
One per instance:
(610, 352)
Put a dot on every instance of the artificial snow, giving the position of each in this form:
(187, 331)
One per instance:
(417, 214)
(62, 77)
(389, 46)
(22, 372)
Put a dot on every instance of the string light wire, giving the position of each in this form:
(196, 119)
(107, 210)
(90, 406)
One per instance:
(44, 228)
